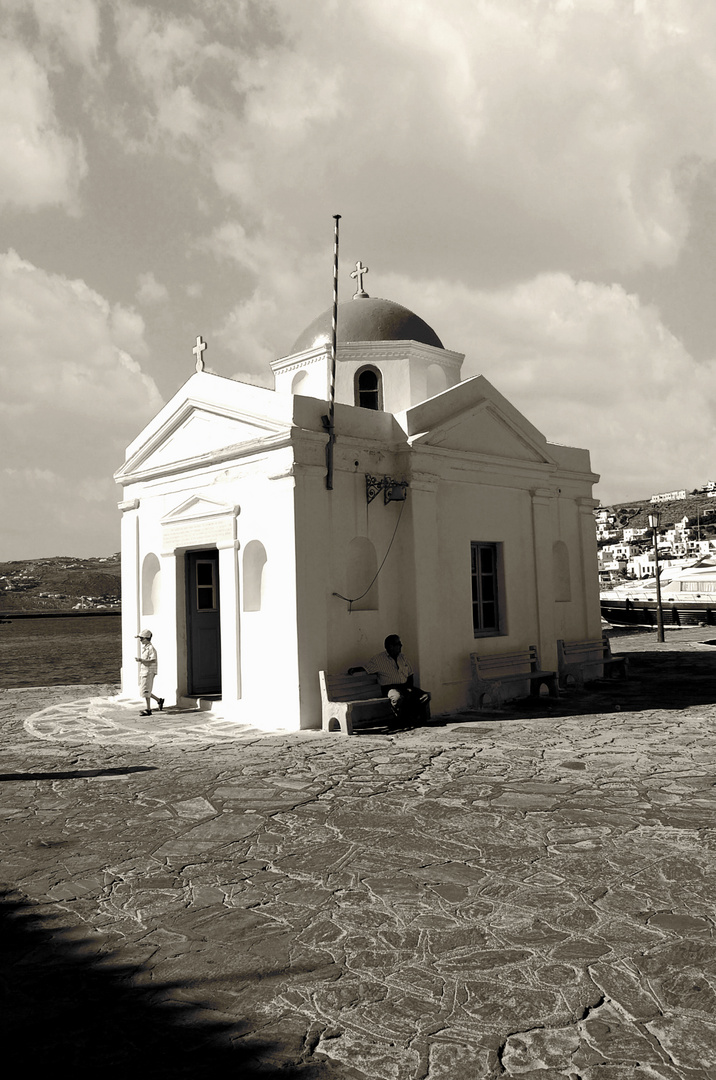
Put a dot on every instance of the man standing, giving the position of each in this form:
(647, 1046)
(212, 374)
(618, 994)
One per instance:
(147, 671)
(395, 675)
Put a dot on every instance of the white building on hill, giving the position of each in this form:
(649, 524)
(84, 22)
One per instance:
(253, 575)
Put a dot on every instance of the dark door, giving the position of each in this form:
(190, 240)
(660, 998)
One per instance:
(202, 623)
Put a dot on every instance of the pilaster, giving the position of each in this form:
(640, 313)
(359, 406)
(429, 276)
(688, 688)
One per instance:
(173, 628)
(589, 572)
(425, 648)
(131, 583)
(542, 540)
(230, 620)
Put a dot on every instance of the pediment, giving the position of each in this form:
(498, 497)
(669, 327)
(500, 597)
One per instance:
(486, 432)
(473, 417)
(196, 431)
(196, 508)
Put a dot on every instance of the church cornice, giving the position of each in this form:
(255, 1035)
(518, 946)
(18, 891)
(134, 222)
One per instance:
(365, 351)
(236, 452)
(133, 467)
(290, 363)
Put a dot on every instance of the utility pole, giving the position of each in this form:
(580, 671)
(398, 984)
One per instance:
(654, 519)
(334, 337)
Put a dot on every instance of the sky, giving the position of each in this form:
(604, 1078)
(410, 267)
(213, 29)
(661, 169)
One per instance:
(535, 178)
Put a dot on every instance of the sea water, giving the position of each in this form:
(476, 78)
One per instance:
(59, 652)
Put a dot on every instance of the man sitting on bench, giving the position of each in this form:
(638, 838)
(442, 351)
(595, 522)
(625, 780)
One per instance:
(395, 675)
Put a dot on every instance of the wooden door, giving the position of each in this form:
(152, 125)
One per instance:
(202, 623)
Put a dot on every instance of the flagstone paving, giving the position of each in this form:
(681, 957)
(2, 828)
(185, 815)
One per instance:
(524, 895)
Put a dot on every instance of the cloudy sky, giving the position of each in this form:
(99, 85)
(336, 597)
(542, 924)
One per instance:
(536, 178)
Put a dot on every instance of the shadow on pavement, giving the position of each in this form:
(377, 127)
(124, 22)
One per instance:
(76, 774)
(657, 680)
(64, 1005)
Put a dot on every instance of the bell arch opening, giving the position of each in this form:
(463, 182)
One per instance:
(299, 384)
(368, 388)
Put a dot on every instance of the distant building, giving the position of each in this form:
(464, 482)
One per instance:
(668, 496)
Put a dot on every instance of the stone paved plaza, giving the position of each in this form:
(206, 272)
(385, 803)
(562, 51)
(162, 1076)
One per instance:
(527, 894)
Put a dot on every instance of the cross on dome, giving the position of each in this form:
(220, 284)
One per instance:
(198, 350)
(358, 273)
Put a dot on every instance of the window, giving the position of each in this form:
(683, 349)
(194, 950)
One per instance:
(485, 588)
(368, 389)
(206, 585)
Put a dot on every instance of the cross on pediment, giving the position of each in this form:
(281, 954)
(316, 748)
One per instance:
(358, 273)
(198, 350)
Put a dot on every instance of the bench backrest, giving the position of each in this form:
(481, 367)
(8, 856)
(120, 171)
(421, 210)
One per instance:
(358, 687)
(514, 663)
(592, 651)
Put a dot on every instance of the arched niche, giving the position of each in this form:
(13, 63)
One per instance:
(368, 388)
(254, 575)
(299, 384)
(560, 572)
(151, 584)
(362, 568)
(436, 380)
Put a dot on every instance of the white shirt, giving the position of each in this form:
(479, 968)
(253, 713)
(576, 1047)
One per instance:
(149, 655)
(389, 670)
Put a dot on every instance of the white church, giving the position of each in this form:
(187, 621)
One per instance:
(444, 517)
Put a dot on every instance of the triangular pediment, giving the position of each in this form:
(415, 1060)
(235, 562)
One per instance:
(473, 417)
(196, 431)
(485, 431)
(196, 508)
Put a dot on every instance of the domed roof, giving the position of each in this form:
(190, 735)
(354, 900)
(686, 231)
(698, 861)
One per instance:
(367, 318)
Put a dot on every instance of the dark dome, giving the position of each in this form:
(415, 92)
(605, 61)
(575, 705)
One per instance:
(367, 318)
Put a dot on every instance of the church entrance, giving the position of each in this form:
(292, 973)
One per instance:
(203, 632)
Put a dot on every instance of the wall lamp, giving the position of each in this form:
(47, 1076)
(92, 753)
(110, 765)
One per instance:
(393, 490)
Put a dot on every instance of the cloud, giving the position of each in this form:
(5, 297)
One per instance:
(590, 366)
(73, 26)
(163, 55)
(509, 136)
(482, 143)
(149, 290)
(39, 165)
(73, 396)
(281, 284)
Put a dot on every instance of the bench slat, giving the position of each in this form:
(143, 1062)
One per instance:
(352, 687)
(350, 699)
(576, 658)
(490, 672)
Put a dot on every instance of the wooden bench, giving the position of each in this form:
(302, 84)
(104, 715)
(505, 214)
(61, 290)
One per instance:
(349, 701)
(491, 673)
(583, 661)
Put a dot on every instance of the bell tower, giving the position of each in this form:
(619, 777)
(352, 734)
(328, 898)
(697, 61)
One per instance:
(387, 357)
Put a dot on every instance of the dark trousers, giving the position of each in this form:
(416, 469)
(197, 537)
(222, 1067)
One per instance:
(413, 705)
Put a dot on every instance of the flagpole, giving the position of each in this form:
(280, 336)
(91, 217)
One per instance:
(334, 335)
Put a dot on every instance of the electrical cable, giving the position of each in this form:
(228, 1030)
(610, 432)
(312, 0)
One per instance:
(353, 600)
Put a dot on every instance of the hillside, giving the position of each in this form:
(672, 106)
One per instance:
(61, 583)
(635, 514)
